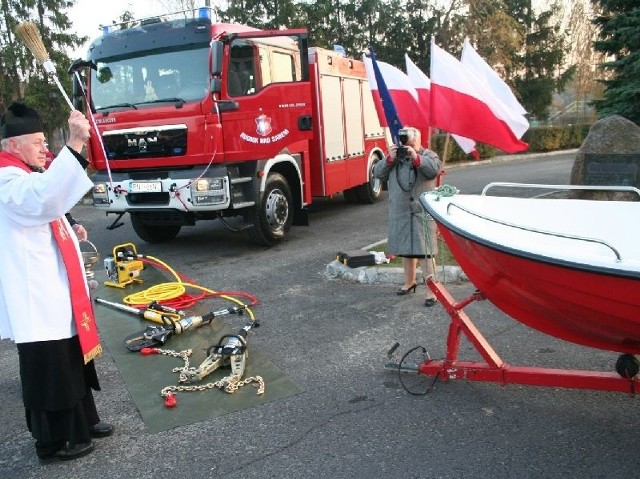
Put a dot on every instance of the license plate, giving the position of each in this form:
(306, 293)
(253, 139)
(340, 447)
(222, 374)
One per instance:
(146, 187)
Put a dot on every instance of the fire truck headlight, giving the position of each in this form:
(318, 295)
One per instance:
(100, 194)
(208, 191)
(207, 184)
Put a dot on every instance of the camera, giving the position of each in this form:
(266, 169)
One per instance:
(403, 137)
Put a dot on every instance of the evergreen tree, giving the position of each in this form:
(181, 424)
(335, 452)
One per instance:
(496, 36)
(22, 77)
(619, 39)
(267, 15)
(324, 20)
(407, 27)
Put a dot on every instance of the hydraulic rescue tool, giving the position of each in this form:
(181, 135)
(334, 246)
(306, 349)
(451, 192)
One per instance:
(154, 336)
(158, 335)
(155, 312)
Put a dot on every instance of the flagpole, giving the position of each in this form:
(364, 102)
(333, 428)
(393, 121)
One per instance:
(447, 148)
(390, 112)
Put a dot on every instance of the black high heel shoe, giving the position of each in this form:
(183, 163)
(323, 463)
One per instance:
(412, 289)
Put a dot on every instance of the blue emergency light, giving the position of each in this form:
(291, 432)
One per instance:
(204, 13)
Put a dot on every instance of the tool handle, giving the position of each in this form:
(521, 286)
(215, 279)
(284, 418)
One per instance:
(119, 306)
(152, 316)
(51, 72)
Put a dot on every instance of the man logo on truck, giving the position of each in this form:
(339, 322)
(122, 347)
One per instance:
(141, 143)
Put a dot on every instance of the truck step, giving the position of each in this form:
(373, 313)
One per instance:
(242, 204)
(242, 179)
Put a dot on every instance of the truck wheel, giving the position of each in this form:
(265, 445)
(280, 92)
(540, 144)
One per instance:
(372, 191)
(272, 217)
(152, 233)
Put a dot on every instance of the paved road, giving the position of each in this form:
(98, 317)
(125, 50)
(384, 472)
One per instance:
(353, 418)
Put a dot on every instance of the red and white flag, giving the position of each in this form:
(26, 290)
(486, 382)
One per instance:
(488, 75)
(403, 94)
(507, 107)
(422, 85)
(462, 106)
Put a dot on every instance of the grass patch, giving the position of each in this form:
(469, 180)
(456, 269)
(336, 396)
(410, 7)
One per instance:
(444, 256)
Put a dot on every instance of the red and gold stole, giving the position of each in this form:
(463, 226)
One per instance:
(80, 301)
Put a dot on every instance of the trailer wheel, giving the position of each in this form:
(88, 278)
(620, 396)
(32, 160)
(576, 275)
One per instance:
(627, 366)
(372, 191)
(153, 233)
(272, 217)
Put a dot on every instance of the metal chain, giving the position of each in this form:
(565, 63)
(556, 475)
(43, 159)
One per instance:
(184, 355)
(229, 384)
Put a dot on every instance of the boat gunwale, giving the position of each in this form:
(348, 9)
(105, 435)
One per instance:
(601, 270)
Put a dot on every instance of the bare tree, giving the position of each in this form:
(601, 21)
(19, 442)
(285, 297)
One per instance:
(582, 33)
(179, 5)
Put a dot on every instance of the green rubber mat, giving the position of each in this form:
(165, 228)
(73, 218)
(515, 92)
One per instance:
(145, 376)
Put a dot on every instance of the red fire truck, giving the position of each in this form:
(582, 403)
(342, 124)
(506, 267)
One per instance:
(201, 120)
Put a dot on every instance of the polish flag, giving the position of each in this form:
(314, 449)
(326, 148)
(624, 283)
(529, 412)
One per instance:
(403, 95)
(488, 75)
(422, 84)
(465, 107)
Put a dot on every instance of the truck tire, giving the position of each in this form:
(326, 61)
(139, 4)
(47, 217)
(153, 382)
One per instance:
(371, 191)
(153, 233)
(272, 216)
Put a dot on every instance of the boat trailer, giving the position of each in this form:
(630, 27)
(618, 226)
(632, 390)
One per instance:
(494, 369)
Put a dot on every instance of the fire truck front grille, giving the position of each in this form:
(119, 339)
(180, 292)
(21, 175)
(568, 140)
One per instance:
(156, 142)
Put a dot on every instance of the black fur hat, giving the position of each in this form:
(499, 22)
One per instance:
(18, 120)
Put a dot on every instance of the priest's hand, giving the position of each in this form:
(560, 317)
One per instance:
(78, 130)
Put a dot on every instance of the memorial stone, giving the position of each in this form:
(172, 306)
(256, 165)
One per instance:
(608, 156)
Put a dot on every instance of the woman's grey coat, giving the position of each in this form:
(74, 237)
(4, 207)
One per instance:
(406, 215)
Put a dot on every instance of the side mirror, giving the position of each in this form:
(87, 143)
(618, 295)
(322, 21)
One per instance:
(217, 53)
(77, 92)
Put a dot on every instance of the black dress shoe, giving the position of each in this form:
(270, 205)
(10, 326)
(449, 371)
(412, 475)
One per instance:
(67, 453)
(430, 302)
(102, 429)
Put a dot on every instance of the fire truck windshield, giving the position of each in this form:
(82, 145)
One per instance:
(149, 78)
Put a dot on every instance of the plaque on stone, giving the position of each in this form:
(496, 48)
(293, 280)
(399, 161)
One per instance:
(612, 169)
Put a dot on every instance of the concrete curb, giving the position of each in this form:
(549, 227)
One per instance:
(505, 158)
(388, 275)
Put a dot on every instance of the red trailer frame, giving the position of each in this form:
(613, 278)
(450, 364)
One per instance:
(494, 369)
